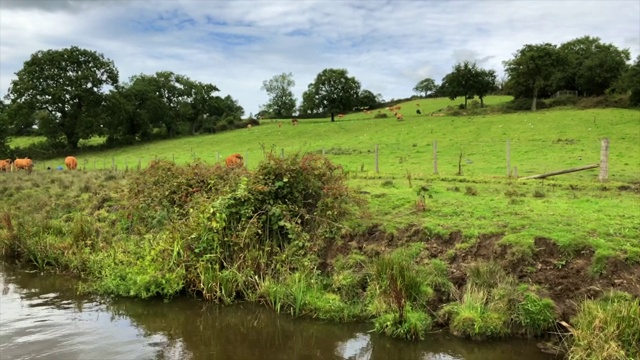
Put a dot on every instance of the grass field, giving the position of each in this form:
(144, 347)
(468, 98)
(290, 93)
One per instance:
(568, 234)
(544, 141)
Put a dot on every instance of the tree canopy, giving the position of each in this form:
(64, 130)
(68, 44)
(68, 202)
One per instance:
(425, 86)
(468, 80)
(281, 102)
(69, 84)
(332, 92)
(590, 66)
(533, 67)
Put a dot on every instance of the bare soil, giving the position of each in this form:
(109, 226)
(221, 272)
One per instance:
(566, 277)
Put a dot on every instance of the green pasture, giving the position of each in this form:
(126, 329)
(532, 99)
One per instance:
(540, 142)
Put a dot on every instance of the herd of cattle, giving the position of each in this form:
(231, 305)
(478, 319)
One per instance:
(26, 164)
(7, 165)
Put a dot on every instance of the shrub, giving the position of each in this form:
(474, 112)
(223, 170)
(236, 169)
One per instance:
(563, 100)
(414, 326)
(607, 328)
(380, 115)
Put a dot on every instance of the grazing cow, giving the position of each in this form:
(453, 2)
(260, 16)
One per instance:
(71, 162)
(399, 117)
(418, 111)
(234, 161)
(248, 126)
(5, 165)
(294, 122)
(26, 164)
(340, 116)
(279, 124)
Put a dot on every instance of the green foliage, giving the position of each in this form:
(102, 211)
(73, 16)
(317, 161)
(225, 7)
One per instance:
(493, 305)
(400, 280)
(281, 102)
(535, 314)
(333, 91)
(562, 100)
(413, 327)
(425, 86)
(591, 66)
(467, 80)
(607, 328)
(532, 68)
(68, 84)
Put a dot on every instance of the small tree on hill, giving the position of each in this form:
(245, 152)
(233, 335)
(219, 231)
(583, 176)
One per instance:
(281, 103)
(425, 86)
(332, 92)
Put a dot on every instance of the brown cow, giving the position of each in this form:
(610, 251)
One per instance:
(26, 164)
(234, 161)
(71, 162)
(5, 165)
(294, 122)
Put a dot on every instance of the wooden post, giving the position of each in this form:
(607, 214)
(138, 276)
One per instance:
(173, 158)
(282, 153)
(508, 158)
(435, 157)
(515, 172)
(139, 164)
(126, 166)
(377, 169)
(246, 156)
(103, 164)
(560, 172)
(113, 163)
(94, 163)
(218, 157)
(323, 152)
(604, 160)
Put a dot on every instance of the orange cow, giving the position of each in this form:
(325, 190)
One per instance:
(279, 124)
(26, 164)
(294, 122)
(5, 165)
(234, 161)
(71, 162)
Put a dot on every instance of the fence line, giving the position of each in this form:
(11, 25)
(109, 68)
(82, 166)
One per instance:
(376, 152)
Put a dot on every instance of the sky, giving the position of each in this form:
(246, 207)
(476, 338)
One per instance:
(387, 45)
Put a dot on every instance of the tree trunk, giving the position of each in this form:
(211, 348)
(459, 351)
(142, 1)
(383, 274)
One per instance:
(465, 101)
(535, 99)
(333, 119)
(481, 101)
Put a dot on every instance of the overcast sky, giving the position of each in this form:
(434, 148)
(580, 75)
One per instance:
(237, 44)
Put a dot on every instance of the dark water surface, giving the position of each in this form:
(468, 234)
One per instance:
(41, 317)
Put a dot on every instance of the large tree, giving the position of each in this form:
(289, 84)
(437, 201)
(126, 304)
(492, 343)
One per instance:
(484, 83)
(425, 86)
(69, 84)
(281, 103)
(461, 81)
(591, 66)
(368, 100)
(332, 92)
(533, 67)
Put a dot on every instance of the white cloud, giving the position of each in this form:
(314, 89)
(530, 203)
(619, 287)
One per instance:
(236, 44)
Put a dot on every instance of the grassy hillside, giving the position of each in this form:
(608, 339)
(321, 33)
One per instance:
(544, 141)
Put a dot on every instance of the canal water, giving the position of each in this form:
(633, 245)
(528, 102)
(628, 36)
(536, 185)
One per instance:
(41, 317)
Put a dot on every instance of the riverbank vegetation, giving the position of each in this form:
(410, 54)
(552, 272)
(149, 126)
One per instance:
(293, 235)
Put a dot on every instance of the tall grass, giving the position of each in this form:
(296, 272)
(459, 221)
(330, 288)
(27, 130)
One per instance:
(607, 328)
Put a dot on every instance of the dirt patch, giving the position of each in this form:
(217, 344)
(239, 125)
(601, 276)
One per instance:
(564, 276)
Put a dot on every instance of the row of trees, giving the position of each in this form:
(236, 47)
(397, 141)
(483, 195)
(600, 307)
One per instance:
(73, 94)
(585, 65)
(333, 91)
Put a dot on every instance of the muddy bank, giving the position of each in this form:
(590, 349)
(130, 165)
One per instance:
(566, 276)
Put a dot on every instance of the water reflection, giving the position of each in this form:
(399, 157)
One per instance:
(41, 316)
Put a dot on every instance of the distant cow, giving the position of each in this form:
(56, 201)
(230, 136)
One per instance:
(294, 122)
(234, 161)
(26, 164)
(71, 162)
(5, 165)
(279, 124)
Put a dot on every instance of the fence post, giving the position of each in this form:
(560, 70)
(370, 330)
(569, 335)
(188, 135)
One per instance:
(103, 164)
(435, 157)
(515, 172)
(508, 158)
(377, 169)
(282, 153)
(94, 163)
(173, 158)
(323, 152)
(246, 156)
(113, 163)
(126, 165)
(139, 164)
(217, 156)
(604, 160)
